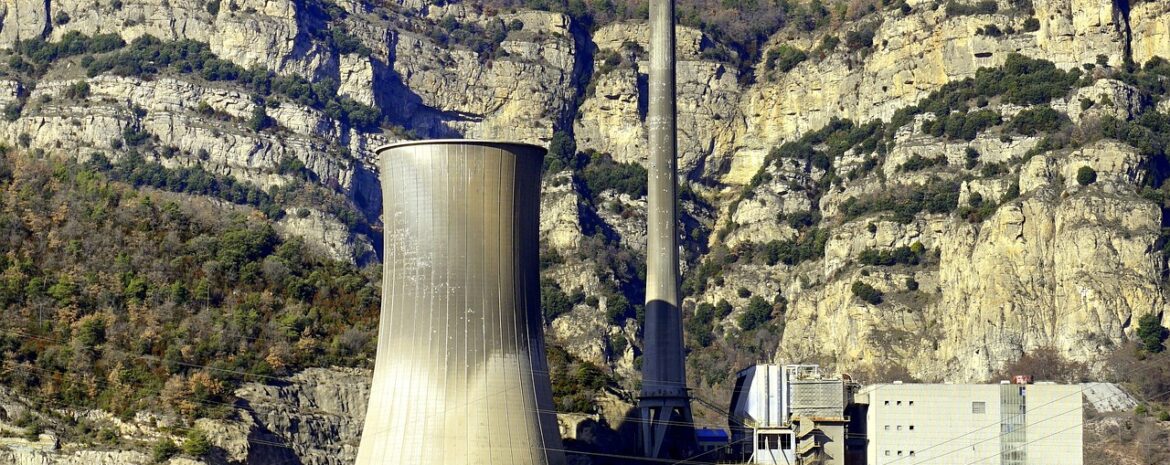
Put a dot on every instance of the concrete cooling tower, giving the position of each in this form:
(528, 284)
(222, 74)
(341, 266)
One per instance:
(460, 376)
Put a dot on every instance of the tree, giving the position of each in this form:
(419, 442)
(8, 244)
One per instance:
(1151, 333)
(260, 119)
(1086, 175)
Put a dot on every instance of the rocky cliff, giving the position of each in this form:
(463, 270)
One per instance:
(800, 167)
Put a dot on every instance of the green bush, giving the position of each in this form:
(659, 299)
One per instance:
(757, 314)
(866, 293)
(553, 301)
(936, 197)
(1086, 175)
(1151, 333)
(810, 245)
(918, 163)
(602, 174)
(163, 450)
(1036, 120)
(1031, 24)
(983, 7)
(698, 326)
(963, 126)
(196, 443)
(898, 256)
(784, 58)
(1021, 81)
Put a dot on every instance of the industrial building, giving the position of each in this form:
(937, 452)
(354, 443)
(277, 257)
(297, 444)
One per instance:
(790, 414)
(794, 414)
(976, 424)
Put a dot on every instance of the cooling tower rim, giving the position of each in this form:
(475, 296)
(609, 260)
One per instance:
(483, 142)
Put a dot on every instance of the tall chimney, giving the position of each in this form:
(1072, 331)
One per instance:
(667, 430)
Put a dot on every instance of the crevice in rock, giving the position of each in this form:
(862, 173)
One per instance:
(1123, 9)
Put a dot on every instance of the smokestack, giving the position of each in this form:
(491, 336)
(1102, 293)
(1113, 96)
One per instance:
(460, 376)
(667, 430)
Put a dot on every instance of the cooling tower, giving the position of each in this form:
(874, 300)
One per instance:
(460, 376)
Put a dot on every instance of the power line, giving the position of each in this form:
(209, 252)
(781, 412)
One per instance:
(1077, 425)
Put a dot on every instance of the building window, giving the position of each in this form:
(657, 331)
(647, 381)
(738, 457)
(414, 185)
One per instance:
(899, 453)
(911, 403)
(768, 442)
(786, 442)
(978, 407)
(887, 453)
(761, 442)
(887, 427)
(887, 402)
(899, 402)
(911, 453)
(899, 427)
(911, 427)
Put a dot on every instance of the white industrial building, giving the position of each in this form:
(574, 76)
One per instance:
(972, 424)
(789, 415)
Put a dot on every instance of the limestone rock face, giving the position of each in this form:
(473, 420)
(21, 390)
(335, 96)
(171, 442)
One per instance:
(611, 120)
(560, 222)
(23, 19)
(327, 235)
(357, 78)
(912, 56)
(317, 414)
(1110, 97)
(1064, 266)
(518, 96)
(1149, 22)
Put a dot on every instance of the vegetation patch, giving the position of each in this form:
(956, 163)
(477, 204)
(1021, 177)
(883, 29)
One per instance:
(936, 197)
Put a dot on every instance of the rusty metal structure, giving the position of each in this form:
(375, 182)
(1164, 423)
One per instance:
(460, 376)
(664, 404)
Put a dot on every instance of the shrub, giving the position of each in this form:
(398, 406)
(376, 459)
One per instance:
(163, 450)
(757, 314)
(562, 152)
(213, 7)
(12, 111)
(1086, 175)
(699, 325)
(1036, 120)
(917, 163)
(77, 90)
(984, 7)
(859, 39)
(1031, 24)
(911, 283)
(553, 301)
(259, 120)
(808, 246)
(1151, 333)
(866, 293)
(784, 58)
(602, 174)
(196, 443)
(899, 256)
